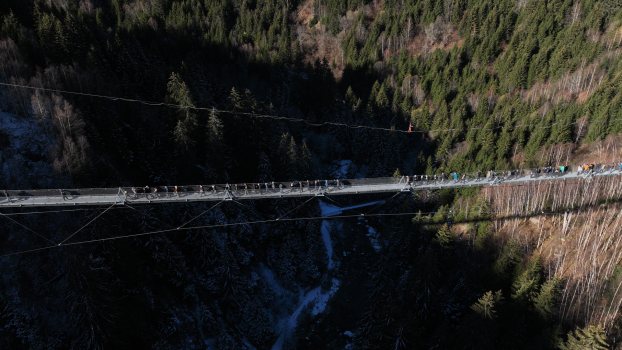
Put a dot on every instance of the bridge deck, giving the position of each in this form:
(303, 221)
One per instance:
(110, 196)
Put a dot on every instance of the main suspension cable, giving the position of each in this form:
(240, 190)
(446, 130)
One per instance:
(88, 223)
(27, 228)
(297, 120)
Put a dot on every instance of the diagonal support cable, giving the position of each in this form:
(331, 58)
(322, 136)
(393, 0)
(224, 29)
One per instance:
(88, 223)
(28, 228)
(196, 217)
(150, 216)
(376, 207)
(254, 210)
(280, 217)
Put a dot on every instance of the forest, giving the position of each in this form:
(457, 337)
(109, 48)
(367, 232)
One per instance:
(109, 93)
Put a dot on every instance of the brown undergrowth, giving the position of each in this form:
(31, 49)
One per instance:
(575, 227)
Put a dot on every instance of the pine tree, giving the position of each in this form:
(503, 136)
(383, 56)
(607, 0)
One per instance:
(305, 164)
(10, 28)
(525, 286)
(444, 237)
(546, 302)
(485, 307)
(504, 144)
(264, 169)
(292, 156)
(182, 133)
(589, 338)
(397, 174)
(179, 93)
(215, 139)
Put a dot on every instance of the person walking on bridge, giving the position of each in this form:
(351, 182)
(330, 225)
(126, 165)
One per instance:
(166, 190)
(308, 186)
(146, 191)
(200, 190)
(245, 189)
(266, 187)
(176, 192)
(155, 192)
(62, 194)
(6, 194)
(134, 192)
(443, 177)
(281, 188)
(214, 189)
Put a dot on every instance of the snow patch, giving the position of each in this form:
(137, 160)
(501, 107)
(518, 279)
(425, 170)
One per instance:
(24, 155)
(268, 275)
(327, 243)
(372, 235)
(349, 334)
(314, 297)
(292, 322)
(328, 209)
(373, 238)
(322, 298)
(342, 169)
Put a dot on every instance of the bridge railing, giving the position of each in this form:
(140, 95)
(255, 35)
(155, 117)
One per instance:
(291, 188)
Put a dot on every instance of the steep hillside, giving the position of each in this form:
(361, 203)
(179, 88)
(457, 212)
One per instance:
(160, 92)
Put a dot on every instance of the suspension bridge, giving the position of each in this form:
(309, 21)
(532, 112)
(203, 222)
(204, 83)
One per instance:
(274, 190)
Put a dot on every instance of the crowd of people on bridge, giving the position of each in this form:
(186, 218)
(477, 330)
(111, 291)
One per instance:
(266, 188)
(244, 189)
(323, 186)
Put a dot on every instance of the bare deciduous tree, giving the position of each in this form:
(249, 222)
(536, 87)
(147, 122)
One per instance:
(520, 4)
(433, 31)
(86, 7)
(575, 13)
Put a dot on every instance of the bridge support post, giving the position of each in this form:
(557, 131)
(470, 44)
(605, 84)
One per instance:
(228, 196)
(119, 194)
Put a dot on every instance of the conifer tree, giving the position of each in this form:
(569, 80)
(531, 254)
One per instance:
(485, 307)
(179, 93)
(589, 338)
(525, 286)
(443, 237)
(547, 300)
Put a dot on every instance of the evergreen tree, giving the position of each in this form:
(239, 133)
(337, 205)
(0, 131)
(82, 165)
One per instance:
(179, 93)
(546, 302)
(525, 286)
(589, 338)
(444, 237)
(486, 306)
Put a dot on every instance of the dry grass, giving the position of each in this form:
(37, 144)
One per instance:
(583, 246)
